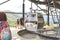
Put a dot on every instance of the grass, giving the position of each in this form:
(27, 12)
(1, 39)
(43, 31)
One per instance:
(12, 23)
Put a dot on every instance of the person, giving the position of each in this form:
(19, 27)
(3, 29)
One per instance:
(18, 21)
(22, 21)
(5, 33)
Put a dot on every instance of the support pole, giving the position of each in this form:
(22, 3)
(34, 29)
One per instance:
(48, 12)
(48, 16)
(23, 9)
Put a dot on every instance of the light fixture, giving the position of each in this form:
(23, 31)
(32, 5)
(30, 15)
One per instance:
(42, 0)
(52, 1)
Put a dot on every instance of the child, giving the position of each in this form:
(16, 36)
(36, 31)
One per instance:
(5, 33)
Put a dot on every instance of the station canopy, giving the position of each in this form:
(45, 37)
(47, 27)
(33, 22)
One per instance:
(53, 4)
(45, 2)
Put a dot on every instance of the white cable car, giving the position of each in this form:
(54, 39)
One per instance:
(34, 21)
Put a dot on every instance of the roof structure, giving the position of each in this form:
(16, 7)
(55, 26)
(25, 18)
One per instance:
(45, 2)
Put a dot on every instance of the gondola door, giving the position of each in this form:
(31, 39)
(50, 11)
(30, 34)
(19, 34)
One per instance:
(40, 21)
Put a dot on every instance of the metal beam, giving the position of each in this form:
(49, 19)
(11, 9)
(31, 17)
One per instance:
(4, 2)
(45, 3)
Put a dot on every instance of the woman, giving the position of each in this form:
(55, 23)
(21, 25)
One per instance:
(5, 33)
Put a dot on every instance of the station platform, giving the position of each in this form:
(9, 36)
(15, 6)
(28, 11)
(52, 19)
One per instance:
(15, 35)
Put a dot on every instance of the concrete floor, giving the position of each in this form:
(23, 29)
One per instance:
(15, 36)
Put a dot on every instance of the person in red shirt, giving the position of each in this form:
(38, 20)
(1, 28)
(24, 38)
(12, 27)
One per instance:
(5, 33)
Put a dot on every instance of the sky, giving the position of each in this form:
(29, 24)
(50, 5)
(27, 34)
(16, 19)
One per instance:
(16, 5)
(12, 5)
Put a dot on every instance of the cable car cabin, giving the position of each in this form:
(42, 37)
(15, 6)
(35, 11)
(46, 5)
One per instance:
(31, 22)
(40, 20)
(34, 21)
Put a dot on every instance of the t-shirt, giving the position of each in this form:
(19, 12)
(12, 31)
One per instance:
(5, 34)
(3, 24)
